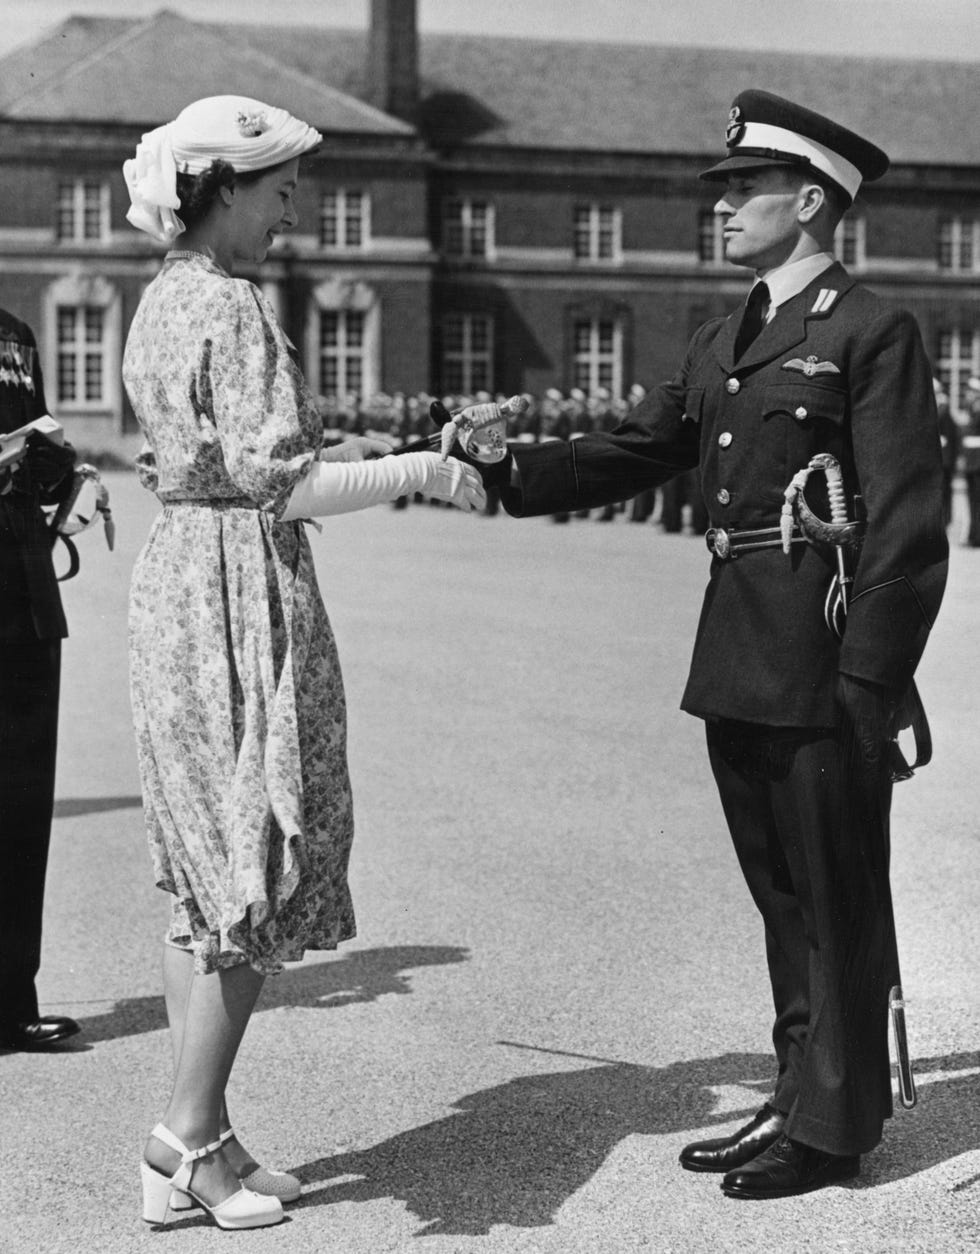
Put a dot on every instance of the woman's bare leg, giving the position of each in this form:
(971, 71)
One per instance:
(178, 970)
(216, 1011)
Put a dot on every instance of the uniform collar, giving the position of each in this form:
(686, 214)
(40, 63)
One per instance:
(788, 280)
(816, 299)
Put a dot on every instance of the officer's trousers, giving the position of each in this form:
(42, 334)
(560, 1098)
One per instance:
(809, 820)
(29, 684)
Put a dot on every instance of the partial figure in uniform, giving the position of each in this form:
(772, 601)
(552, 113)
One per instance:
(971, 459)
(32, 627)
(798, 720)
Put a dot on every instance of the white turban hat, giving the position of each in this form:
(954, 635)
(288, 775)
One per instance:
(246, 133)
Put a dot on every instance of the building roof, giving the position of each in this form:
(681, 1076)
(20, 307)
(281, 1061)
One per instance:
(489, 91)
(111, 70)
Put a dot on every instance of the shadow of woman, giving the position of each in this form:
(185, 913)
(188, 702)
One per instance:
(361, 975)
(513, 1154)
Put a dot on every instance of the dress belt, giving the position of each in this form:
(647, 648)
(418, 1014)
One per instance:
(215, 502)
(727, 543)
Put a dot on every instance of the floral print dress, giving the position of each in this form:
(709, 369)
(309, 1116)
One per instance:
(238, 703)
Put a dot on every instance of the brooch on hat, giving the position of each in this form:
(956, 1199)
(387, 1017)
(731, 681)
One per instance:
(251, 125)
(735, 128)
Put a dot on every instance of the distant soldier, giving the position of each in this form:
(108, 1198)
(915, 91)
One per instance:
(971, 459)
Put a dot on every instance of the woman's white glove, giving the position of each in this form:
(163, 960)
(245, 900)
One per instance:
(336, 487)
(357, 448)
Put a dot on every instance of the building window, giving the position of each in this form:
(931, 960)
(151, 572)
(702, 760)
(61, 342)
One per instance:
(341, 351)
(468, 228)
(957, 359)
(597, 233)
(344, 219)
(959, 245)
(598, 355)
(82, 211)
(849, 241)
(711, 241)
(82, 366)
(467, 353)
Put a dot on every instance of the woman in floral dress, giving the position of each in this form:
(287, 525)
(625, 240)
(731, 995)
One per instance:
(237, 695)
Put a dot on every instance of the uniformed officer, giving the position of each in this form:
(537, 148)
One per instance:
(32, 626)
(971, 459)
(797, 720)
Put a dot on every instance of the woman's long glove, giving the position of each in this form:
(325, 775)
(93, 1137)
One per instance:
(342, 487)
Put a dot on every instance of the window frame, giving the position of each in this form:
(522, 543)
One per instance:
(594, 358)
(467, 358)
(594, 212)
(340, 197)
(468, 228)
(962, 245)
(71, 204)
(959, 362)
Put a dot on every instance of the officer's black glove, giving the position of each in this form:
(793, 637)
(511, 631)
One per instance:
(869, 711)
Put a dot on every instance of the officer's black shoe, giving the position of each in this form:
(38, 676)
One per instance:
(38, 1034)
(788, 1168)
(724, 1153)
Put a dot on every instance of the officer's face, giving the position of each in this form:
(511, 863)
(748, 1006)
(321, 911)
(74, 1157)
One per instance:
(761, 211)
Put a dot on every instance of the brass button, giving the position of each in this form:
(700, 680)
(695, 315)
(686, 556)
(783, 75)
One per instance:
(732, 386)
(800, 413)
(724, 496)
(725, 439)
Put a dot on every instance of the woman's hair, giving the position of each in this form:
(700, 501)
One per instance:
(198, 192)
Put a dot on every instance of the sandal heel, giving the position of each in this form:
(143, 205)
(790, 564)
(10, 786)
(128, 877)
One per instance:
(156, 1195)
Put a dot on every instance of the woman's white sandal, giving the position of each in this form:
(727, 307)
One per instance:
(262, 1180)
(242, 1209)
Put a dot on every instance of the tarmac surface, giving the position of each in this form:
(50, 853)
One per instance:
(559, 978)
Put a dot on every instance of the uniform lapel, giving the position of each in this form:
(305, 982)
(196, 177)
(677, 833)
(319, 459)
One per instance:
(788, 328)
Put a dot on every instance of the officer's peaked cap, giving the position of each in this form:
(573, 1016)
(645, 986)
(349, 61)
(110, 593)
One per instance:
(764, 129)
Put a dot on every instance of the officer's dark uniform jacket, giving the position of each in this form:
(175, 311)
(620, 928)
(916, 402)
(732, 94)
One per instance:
(838, 371)
(30, 604)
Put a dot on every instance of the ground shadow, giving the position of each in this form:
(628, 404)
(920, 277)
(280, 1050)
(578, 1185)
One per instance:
(361, 975)
(513, 1154)
(940, 1127)
(73, 807)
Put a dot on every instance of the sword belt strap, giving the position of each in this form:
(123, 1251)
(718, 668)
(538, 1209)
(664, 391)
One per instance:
(727, 543)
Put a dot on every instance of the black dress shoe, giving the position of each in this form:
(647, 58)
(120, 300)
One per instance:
(38, 1033)
(726, 1152)
(788, 1168)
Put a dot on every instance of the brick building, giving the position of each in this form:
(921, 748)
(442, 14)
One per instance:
(484, 213)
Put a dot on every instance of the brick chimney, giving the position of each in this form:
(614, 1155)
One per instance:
(393, 58)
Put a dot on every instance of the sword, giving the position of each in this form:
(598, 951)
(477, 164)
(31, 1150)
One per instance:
(845, 535)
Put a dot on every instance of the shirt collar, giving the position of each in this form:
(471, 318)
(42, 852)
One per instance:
(786, 281)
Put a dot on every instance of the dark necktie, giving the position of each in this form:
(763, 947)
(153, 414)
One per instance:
(753, 319)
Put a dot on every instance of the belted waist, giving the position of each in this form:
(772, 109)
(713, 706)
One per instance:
(727, 543)
(215, 502)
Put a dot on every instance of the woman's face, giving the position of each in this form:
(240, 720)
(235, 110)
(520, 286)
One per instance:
(263, 208)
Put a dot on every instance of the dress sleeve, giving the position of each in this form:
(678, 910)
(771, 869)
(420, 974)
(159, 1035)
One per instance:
(265, 416)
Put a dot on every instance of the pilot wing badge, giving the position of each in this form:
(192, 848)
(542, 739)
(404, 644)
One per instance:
(811, 366)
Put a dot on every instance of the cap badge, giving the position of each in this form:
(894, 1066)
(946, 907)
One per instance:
(735, 128)
(251, 125)
(811, 366)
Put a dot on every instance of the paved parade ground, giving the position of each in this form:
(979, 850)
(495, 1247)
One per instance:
(559, 978)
